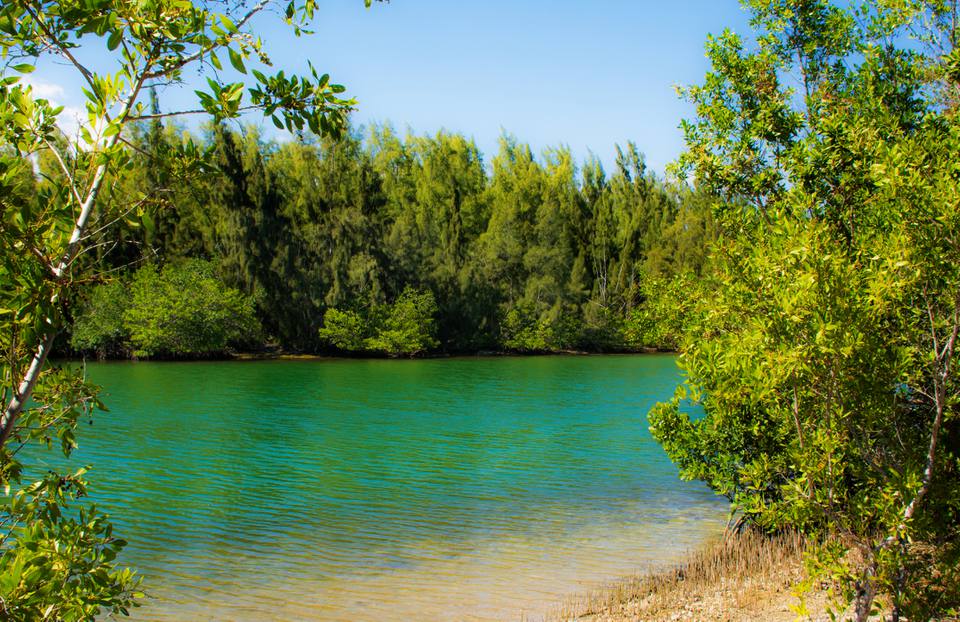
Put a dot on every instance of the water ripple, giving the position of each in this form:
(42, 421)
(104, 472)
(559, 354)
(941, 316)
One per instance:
(464, 489)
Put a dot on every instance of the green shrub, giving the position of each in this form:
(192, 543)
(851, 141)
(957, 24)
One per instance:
(553, 329)
(408, 327)
(602, 328)
(100, 328)
(522, 331)
(405, 328)
(184, 310)
(344, 330)
(660, 320)
(823, 348)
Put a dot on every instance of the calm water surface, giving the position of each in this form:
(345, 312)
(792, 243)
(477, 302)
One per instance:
(462, 489)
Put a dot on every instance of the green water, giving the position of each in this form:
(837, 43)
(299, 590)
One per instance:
(387, 490)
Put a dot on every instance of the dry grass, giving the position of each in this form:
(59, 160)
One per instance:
(745, 577)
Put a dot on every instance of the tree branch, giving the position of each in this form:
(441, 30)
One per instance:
(25, 389)
(183, 62)
(944, 361)
(179, 113)
(55, 43)
(933, 327)
(66, 171)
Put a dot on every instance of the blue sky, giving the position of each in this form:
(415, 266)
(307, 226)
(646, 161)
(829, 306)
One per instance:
(561, 72)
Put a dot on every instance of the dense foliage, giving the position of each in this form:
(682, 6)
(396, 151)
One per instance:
(404, 328)
(100, 328)
(180, 310)
(326, 238)
(822, 345)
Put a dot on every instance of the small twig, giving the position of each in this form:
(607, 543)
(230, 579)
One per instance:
(44, 261)
(180, 113)
(55, 44)
(115, 220)
(207, 49)
(66, 171)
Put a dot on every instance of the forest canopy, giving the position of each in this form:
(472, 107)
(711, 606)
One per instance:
(329, 240)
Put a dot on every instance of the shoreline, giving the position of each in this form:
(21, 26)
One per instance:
(733, 579)
(280, 356)
(255, 356)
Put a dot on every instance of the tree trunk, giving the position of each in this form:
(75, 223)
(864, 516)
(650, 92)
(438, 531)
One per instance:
(29, 382)
(866, 591)
(25, 389)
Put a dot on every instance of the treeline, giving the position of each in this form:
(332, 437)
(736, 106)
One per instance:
(390, 245)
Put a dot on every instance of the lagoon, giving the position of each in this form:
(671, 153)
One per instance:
(444, 489)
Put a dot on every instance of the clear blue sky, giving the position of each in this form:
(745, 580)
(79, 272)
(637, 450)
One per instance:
(552, 72)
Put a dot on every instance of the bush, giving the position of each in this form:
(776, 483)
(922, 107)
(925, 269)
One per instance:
(406, 328)
(660, 320)
(344, 330)
(184, 310)
(525, 328)
(602, 328)
(409, 327)
(523, 331)
(100, 328)
(823, 349)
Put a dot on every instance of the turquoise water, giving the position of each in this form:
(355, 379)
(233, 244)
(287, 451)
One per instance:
(472, 488)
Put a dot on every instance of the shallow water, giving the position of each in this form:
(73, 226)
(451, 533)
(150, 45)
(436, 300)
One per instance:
(458, 489)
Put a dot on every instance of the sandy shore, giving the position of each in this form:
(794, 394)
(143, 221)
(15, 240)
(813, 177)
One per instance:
(745, 578)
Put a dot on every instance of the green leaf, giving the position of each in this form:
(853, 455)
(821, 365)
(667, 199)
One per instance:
(236, 60)
(234, 92)
(114, 40)
(23, 68)
(228, 23)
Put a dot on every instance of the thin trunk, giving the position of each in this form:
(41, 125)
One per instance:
(944, 361)
(29, 381)
(796, 421)
(25, 389)
(866, 591)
